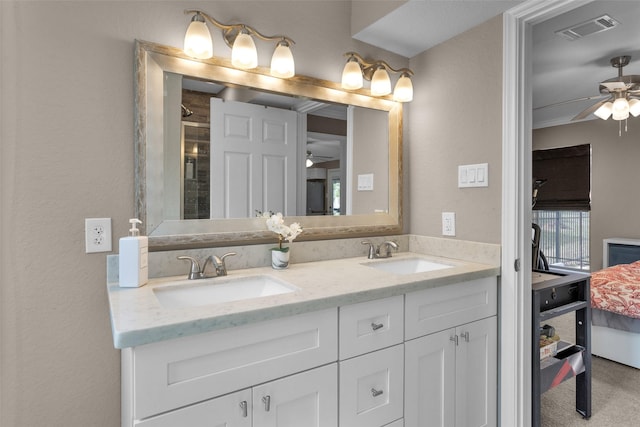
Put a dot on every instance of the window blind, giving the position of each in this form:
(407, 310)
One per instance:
(567, 171)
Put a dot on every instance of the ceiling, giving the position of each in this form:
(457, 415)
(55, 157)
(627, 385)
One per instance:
(564, 71)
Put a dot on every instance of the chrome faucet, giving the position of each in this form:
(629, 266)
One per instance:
(383, 250)
(195, 272)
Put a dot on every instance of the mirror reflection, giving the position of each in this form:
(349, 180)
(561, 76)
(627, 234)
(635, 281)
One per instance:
(244, 152)
(216, 146)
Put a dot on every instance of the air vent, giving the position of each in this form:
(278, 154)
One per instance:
(592, 26)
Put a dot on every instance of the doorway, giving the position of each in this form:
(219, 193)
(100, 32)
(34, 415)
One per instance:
(515, 298)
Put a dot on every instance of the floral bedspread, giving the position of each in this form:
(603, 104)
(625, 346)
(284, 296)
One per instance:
(617, 289)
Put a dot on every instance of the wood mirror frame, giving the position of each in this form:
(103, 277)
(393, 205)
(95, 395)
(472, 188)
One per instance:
(151, 62)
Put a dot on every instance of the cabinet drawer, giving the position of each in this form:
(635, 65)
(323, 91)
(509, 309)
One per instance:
(372, 388)
(370, 326)
(175, 373)
(436, 309)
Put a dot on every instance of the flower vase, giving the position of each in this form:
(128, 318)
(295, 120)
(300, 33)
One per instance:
(279, 259)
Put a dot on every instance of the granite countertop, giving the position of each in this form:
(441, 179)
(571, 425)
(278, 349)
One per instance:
(138, 318)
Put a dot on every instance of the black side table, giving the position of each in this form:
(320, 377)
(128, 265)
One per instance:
(554, 294)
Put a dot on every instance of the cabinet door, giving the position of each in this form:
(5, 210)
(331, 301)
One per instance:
(233, 410)
(308, 399)
(477, 374)
(430, 380)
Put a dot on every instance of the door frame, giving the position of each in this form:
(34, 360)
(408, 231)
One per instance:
(514, 381)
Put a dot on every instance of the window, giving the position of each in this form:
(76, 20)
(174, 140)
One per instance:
(562, 205)
(564, 238)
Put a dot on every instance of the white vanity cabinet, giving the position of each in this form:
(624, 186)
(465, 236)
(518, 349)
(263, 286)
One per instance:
(426, 358)
(451, 356)
(372, 362)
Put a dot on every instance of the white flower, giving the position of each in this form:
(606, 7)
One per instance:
(276, 224)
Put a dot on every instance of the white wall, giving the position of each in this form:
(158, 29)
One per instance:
(614, 180)
(455, 119)
(66, 107)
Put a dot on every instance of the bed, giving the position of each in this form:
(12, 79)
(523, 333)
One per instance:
(615, 303)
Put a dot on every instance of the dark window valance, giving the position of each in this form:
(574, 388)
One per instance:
(567, 172)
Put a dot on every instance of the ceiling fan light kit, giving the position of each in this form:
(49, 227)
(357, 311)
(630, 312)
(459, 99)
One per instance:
(623, 94)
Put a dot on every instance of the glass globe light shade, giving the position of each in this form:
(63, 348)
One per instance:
(403, 91)
(620, 109)
(244, 54)
(282, 64)
(380, 83)
(604, 112)
(352, 76)
(634, 107)
(197, 40)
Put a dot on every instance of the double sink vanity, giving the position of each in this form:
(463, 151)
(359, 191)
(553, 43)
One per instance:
(336, 339)
(404, 341)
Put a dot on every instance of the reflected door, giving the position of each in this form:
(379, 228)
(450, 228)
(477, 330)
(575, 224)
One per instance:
(253, 160)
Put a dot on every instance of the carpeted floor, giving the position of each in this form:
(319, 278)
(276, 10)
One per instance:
(615, 398)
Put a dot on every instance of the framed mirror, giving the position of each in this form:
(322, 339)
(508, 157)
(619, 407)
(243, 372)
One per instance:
(162, 167)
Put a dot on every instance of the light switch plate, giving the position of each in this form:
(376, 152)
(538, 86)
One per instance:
(365, 182)
(473, 175)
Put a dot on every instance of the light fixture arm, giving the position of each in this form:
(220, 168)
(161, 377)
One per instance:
(231, 31)
(368, 68)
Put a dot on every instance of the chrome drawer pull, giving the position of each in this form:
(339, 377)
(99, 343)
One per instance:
(243, 406)
(465, 335)
(376, 326)
(454, 339)
(267, 403)
(376, 393)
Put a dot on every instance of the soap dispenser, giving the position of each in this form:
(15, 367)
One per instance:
(134, 254)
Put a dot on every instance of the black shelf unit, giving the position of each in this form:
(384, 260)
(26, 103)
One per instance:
(555, 293)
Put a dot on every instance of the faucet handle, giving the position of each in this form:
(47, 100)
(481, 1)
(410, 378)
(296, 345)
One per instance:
(372, 249)
(221, 267)
(194, 271)
(226, 255)
(389, 244)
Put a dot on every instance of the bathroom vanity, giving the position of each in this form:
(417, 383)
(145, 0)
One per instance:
(352, 344)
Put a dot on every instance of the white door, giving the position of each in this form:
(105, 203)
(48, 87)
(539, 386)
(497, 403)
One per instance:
(253, 159)
(476, 374)
(429, 394)
(233, 410)
(308, 399)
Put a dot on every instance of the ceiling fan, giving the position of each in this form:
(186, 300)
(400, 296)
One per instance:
(313, 158)
(623, 95)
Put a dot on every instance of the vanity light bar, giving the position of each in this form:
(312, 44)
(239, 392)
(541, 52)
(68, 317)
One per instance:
(239, 37)
(357, 69)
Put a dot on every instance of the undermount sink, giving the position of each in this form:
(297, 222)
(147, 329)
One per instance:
(408, 266)
(217, 290)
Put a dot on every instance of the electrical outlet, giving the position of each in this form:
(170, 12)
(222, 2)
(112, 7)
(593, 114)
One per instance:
(448, 223)
(97, 235)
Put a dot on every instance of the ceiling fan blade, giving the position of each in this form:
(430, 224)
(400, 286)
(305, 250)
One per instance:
(590, 110)
(570, 101)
